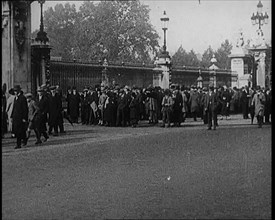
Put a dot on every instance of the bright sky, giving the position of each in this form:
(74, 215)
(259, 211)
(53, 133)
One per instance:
(193, 25)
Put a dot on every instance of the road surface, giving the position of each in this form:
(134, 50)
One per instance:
(95, 172)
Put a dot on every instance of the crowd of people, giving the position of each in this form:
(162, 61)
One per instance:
(45, 111)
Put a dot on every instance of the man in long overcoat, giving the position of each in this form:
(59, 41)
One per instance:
(177, 107)
(85, 107)
(43, 105)
(258, 102)
(20, 116)
(55, 111)
(211, 102)
(194, 103)
(74, 101)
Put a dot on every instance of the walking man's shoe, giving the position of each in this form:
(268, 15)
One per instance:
(17, 147)
(38, 142)
(46, 138)
(25, 141)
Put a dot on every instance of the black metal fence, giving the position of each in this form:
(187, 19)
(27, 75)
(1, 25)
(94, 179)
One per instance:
(81, 75)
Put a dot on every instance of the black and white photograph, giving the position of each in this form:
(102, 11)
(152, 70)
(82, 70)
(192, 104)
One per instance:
(136, 109)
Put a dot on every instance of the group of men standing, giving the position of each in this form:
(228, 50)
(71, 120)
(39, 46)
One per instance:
(33, 113)
(122, 107)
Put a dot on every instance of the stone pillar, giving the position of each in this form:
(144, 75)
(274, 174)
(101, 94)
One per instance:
(238, 67)
(40, 71)
(162, 76)
(16, 51)
(260, 73)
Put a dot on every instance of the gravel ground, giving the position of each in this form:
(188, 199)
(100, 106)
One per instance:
(95, 172)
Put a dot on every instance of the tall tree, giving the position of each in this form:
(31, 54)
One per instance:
(182, 58)
(222, 55)
(206, 57)
(60, 27)
(121, 27)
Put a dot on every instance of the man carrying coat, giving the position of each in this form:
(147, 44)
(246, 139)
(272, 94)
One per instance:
(211, 103)
(19, 117)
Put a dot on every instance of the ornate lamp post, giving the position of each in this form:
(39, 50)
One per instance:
(165, 21)
(259, 18)
(40, 56)
(259, 48)
(105, 79)
(213, 69)
(164, 60)
(199, 79)
(42, 35)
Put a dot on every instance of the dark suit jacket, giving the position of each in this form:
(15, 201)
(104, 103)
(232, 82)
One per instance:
(211, 101)
(55, 109)
(20, 112)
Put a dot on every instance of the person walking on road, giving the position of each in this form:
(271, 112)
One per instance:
(9, 108)
(55, 111)
(19, 117)
(258, 102)
(167, 103)
(194, 102)
(33, 118)
(43, 105)
(211, 102)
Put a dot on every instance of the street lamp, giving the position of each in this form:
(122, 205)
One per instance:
(164, 21)
(213, 69)
(42, 35)
(199, 79)
(105, 80)
(259, 18)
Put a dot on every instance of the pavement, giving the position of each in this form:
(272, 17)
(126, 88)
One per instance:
(95, 172)
(78, 133)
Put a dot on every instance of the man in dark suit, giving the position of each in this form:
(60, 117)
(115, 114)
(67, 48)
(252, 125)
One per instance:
(43, 105)
(211, 103)
(19, 117)
(55, 110)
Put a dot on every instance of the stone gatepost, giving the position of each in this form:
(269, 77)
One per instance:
(16, 41)
(163, 71)
(239, 62)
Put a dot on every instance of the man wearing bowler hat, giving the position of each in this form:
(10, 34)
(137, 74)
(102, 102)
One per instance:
(19, 117)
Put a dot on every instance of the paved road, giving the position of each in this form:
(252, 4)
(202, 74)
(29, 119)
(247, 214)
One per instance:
(146, 172)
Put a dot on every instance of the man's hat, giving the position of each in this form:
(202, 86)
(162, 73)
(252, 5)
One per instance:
(17, 88)
(211, 88)
(28, 95)
(52, 87)
(40, 89)
(44, 87)
(166, 92)
(127, 87)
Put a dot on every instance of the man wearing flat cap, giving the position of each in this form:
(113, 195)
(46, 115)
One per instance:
(19, 117)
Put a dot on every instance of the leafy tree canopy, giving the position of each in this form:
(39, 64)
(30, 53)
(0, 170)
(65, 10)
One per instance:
(120, 30)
